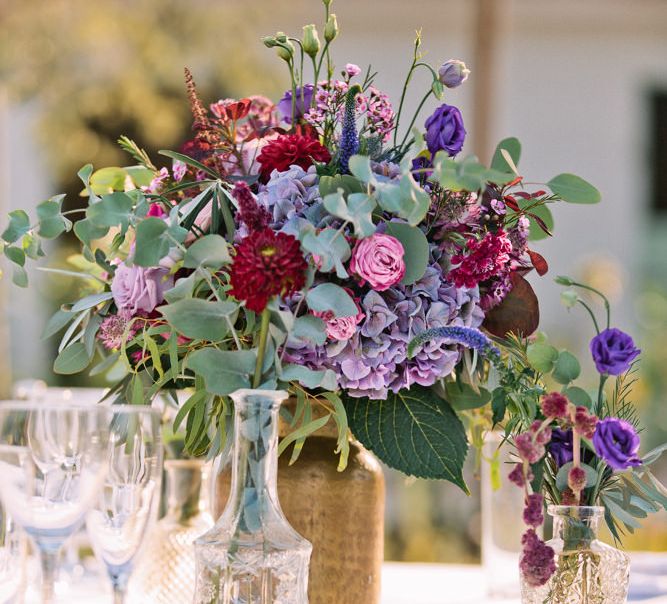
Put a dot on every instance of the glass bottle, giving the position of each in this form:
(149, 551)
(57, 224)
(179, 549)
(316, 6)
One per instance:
(252, 555)
(166, 572)
(587, 570)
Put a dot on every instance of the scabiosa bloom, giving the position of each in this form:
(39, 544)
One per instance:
(266, 264)
(613, 351)
(555, 405)
(289, 150)
(112, 331)
(485, 259)
(537, 559)
(254, 216)
(617, 442)
(532, 513)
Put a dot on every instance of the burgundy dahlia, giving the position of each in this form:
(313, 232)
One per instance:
(267, 264)
(289, 150)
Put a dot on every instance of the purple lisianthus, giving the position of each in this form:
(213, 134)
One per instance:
(613, 351)
(445, 131)
(139, 289)
(560, 446)
(617, 442)
(304, 97)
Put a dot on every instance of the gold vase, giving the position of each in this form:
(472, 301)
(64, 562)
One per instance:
(340, 513)
(166, 572)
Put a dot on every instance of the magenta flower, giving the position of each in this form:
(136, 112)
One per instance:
(485, 259)
(378, 259)
(555, 404)
(352, 70)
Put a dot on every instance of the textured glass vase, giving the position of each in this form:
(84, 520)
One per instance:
(587, 570)
(166, 572)
(252, 555)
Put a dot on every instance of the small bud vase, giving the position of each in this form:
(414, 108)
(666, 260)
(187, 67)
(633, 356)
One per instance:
(252, 555)
(587, 570)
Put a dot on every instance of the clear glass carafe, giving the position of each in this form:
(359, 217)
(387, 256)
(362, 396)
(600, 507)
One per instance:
(166, 573)
(252, 555)
(587, 570)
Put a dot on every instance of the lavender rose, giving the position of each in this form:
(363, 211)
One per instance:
(613, 351)
(301, 105)
(445, 131)
(138, 289)
(378, 259)
(617, 442)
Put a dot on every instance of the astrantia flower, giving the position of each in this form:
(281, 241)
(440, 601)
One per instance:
(485, 259)
(267, 264)
(289, 150)
(112, 331)
(537, 559)
(254, 216)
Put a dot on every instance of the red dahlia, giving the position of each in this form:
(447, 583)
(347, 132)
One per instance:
(267, 264)
(290, 149)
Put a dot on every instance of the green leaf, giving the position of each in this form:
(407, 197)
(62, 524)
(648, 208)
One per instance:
(16, 255)
(200, 319)
(567, 368)
(331, 184)
(190, 162)
(542, 356)
(462, 396)
(86, 231)
(56, 323)
(223, 371)
(619, 513)
(561, 477)
(107, 180)
(331, 248)
(90, 301)
(19, 225)
(498, 405)
(72, 359)
(182, 289)
(328, 296)
(303, 432)
(578, 396)
(413, 431)
(360, 166)
(140, 176)
(416, 249)
(340, 416)
(197, 397)
(211, 251)
(536, 233)
(357, 209)
(310, 378)
(51, 221)
(574, 189)
(150, 244)
(311, 329)
(84, 175)
(654, 454)
(513, 147)
(19, 276)
(111, 210)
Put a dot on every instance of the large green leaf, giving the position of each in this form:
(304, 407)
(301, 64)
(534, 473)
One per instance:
(51, 221)
(72, 359)
(413, 431)
(223, 371)
(19, 225)
(111, 210)
(512, 146)
(150, 244)
(211, 251)
(329, 296)
(415, 245)
(462, 396)
(200, 319)
(574, 189)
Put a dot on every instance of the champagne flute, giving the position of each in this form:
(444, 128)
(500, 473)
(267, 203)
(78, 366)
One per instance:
(119, 520)
(49, 488)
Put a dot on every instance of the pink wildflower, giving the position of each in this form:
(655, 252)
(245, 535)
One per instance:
(486, 258)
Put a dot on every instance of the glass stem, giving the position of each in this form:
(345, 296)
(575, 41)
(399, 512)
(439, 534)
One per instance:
(49, 563)
(119, 589)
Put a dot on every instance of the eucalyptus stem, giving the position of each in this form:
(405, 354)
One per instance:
(261, 349)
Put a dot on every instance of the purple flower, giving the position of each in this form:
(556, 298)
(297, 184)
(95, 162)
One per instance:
(445, 131)
(560, 446)
(613, 351)
(617, 442)
(537, 560)
(453, 73)
(532, 512)
(302, 102)
(138, 289)
(349, 141)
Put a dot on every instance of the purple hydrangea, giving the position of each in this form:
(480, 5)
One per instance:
(375, 360)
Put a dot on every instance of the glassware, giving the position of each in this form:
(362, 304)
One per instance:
(587, 570)
(55, 474)
(12, 540)
(130, 494)
(252, 555)
(170, 576)
(502, 527)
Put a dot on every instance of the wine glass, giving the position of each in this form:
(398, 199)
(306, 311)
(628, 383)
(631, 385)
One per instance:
(55, 472)
(118, 522)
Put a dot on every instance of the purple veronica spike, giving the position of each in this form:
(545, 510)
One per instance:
(349, 141)
(468, 336)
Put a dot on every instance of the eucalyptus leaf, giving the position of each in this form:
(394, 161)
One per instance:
(566, 368)
(211, 251)
(578, 396)
(200, 319)
(223, 371)
(111, 210)
(542, 356)
(329, 296)
(310, 378)
(512, 146)
(462, 396)
(72, 359)
(574, 189)
(19, 225)
(416, 249)
(151, 245)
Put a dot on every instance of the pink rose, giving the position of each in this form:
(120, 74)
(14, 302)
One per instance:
(340, 328)
(138, 289)
(378, 259)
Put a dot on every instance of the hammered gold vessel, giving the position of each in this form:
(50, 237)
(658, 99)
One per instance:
(166, 572)
(340, 513)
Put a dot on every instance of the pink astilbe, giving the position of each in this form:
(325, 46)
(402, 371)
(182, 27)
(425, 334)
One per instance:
(484, 259)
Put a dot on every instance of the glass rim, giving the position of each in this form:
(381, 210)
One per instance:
(21, 405)
(586, 511)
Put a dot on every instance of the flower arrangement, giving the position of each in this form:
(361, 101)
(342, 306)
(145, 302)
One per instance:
(578, 450)
(315, 244)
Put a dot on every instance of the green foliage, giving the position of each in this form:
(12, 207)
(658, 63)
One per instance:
(211, 251)
(201, 319)
(223, 371)
(574, 189)
(567, 368)
(413, 431)
(509, 145)
(417, 252)
(357, 210)
(465, 175)
(329, 296)
(462, 396)
(112, 210)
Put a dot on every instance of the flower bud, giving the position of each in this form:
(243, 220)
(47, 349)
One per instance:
(331, 28)
(576, 479)
(269, 41)
(453, 73)
(285, 51)
(281, 37)
(569, 298)
(311, 41)
(326, 3)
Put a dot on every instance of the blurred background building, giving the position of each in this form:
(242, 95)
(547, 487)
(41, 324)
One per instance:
(582, 84)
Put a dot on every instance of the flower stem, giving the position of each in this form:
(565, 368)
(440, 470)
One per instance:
(261, 349)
